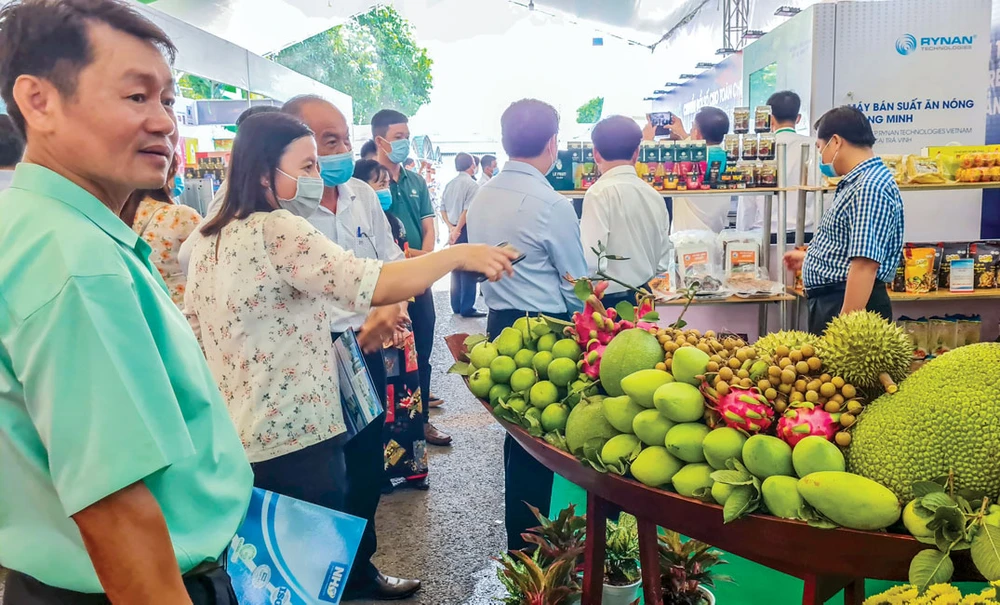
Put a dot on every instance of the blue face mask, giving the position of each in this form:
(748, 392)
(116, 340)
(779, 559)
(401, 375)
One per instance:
(400, 151)
(827, 169)
(336, 169)
(384, 198)
(308, 195)
(178, 189)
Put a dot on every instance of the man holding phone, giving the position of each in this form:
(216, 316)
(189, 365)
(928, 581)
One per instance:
(520, 207)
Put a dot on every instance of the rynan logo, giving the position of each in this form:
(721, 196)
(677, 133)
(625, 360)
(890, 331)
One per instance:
(906, 44)
(333, 583)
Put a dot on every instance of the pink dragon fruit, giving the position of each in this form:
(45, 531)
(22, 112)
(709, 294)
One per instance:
(742, 409)
(797, 423)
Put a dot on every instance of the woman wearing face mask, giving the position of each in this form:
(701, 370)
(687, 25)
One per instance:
(856, 250)
(260, 283)
(164, 225)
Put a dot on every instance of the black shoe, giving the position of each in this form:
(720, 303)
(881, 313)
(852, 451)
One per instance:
(473, 313)
(422, 484)
(383, 588)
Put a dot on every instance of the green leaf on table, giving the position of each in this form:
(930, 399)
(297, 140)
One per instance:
(986, 552)
(815, 518)
(557, 440)
(540, 329)
(625, 310)
(583, 289)
(936, 500)
(738, 503)
(651, 316)
(732, 478)
(592, 454)
(462, 368)
(922, 488)
(704, 494)
(930, 567)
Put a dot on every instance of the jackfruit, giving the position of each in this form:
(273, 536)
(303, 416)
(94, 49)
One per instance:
(862, 346)
(945, 417)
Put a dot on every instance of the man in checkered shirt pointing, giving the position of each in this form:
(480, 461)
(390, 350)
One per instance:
(858, 244)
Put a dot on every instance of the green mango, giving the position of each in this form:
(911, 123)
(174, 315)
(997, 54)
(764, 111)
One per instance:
(850, 500)
(781, 496)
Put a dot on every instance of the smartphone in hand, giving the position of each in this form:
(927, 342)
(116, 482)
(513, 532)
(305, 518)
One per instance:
(661, 120)
(506, 246)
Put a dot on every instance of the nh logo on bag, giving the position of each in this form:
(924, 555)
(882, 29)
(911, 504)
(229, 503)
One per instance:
(334, 582)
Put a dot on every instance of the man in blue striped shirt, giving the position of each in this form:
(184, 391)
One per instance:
(860, 239)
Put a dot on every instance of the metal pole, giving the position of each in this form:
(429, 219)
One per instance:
(800, 223)
(765, 258)
(782, 155)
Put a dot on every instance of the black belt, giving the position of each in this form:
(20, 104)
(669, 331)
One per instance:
(837, 288)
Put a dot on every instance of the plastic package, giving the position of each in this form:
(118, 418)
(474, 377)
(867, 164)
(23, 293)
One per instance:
(943, 335)
(923, 171)
(765, 146)
(762, 119)
(896, 166)
(768, 175)
(741, 252)
(950, 252)
(919, 270)
(917, 330)
(986, 258)
(699, 259)
(731, 143)
(750, 147)
(741, 120)
(969, 330)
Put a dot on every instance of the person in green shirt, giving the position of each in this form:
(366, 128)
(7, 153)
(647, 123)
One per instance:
(411, 204)
(121, 471)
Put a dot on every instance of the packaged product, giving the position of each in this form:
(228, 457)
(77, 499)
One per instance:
(917, 330)
(950, 165)
(668, 155)
(896, 166)
(741, 252)
(749, 147)
(899, 281)
(986, 257)
(969, 330)
(699, 155)
(938, 254)
(923, 171)
(919, 269)
(950, 251)
(576, 152)
(768, 174)
(969, 175)
(698, 259)
(741, 120)
(664, 284)
(943, 335)
(731, 143)
(765, 146)
(798, 284)
(762, 119)
(962, 277)
(714, 172)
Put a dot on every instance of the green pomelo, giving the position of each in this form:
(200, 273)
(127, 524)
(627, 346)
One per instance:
(483, 354)
(542, 394)
(562, 371)
(685, 441)
(651, 427)
(620, 412)
(480, 383)
(692, 478)
(587, 422)
(850, 500)
(814, 454)
(522, 379)
(722, 444)
(618, 447)
(524, 357)
(641, 385)
(654, 466)
(627, 353)
(567, 349)
(765, 456)
(688, 364)
(546, 341)
(554, 417)
(501, 369)
(781, 496)
(679, 402)
(509, 342)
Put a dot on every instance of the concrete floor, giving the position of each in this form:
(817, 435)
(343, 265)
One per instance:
(446, 535)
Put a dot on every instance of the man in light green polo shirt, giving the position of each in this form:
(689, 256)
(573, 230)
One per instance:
(120, 468)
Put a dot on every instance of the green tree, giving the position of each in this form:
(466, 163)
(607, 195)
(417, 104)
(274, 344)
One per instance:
(373, 57)
(590, 112)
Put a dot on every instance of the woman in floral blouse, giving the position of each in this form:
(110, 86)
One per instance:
(260, 284)
(165, 226)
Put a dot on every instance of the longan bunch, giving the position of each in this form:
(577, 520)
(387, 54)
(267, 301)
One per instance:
(720, 351)
(796, 375)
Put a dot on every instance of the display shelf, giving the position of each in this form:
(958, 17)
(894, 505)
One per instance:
(949, 186)
(696, 192)
(945, 295)
(732, 300)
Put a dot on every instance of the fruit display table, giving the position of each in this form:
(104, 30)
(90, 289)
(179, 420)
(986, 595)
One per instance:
(827, 560)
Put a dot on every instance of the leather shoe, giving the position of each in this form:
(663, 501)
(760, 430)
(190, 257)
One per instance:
(384, 588)
(434, 436)
(474, 313)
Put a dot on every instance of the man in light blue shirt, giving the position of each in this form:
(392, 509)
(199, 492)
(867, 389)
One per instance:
(520, 207)
(350, 215)
(455, 202)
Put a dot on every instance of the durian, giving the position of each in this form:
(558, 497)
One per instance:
(866, 350)
(792, 339)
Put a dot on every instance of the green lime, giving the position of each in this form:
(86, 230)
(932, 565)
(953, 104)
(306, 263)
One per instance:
(567, 348)
(524, 357)
(480, 383)
(543, 393)
(522, 380)
(545, 342)
(501, 368)
(518, 404)
(498, 392)
(554, 417)
(562, 371)
(541, 363)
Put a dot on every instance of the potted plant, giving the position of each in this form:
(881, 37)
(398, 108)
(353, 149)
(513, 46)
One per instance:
(546, 573)
(686, 570)
(622, 576)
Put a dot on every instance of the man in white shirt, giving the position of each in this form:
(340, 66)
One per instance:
(785, 116)
(11, 150)
(490, 168)
(623, 212)
(455, 201)
(706, 212)
(350, 215)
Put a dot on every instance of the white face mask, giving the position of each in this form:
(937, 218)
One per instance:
(308, 195)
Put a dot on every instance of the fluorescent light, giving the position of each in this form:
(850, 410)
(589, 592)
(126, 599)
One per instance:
(753, 34)
(705, 65)
(787, 11)
(687, 76)
(724, 51)
(660, 92)
(673, 84)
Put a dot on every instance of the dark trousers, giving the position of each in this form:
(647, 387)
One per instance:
(209, 588)
(825, 303)
(463, 285)
(610, 301)
(316, 474)
(526, 479)
(423, 318)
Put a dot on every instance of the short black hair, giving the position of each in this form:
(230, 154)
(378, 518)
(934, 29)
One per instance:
(785, 106)
(527, 126)
(713, 124)
(849, 123)
(382, 120)
(369, 149)
(475, 160)
(616, 138)
(50, 39)
(11, 143)
(257, 150)
(488, 159)
(369, 170)
(255, 110)
(463, 161)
